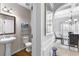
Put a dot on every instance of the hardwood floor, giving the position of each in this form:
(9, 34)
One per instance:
(66, 52)
(23, 53)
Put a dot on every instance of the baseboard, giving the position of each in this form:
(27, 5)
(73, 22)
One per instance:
(18, 50)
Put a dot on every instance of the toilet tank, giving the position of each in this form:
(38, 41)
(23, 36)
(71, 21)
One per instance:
(26, 39)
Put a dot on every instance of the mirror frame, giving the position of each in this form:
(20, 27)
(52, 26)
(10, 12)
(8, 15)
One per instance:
(14, 18)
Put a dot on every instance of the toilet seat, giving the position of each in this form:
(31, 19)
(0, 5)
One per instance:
(28, 44)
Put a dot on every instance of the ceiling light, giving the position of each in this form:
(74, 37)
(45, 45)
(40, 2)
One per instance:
(66, 21)
(69, 20)
(75, 19)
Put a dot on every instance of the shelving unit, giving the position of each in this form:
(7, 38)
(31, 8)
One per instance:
(25, 30)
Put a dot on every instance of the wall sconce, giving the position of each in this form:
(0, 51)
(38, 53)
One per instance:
(11, 10)
(7, 10)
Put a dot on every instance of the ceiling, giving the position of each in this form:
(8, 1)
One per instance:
(55, 6)
(58, 5)
(28, 5)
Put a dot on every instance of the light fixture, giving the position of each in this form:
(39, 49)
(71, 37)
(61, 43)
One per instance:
(11, 10)
(66, 21)
(75, 20)
(69, 20)
(72, 21)
(5, 9)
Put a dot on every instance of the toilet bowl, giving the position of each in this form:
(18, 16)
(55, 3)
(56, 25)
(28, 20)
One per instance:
(28, 44)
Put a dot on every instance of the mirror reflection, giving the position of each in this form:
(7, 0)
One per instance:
(7, 20)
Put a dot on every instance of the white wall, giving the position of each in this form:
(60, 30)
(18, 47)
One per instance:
(36, 29)
(22, 15)
(46, 41)
(41, 44)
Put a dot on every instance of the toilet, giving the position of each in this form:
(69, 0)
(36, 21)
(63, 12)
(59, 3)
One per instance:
(27, 43)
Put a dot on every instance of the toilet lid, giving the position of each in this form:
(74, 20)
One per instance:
(28, 43)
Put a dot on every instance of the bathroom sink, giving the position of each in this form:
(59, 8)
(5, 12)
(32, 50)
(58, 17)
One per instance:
(7, 40)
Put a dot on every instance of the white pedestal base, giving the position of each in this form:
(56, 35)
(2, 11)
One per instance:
(7, 49)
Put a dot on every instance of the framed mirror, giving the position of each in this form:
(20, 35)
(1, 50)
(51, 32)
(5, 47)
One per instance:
(7, 24)
(48, 19)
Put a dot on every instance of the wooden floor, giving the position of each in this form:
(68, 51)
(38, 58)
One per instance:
(23, 53)
(65, 52)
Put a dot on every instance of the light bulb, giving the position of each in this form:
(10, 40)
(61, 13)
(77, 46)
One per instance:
(75, 19)
(66, 21)
(69, 20)
(11, 10)
(5, 9)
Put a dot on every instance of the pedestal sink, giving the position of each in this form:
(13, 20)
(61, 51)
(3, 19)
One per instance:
(7, 44)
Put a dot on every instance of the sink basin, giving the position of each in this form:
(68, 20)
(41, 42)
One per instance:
(7, 40)
(7, 45)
